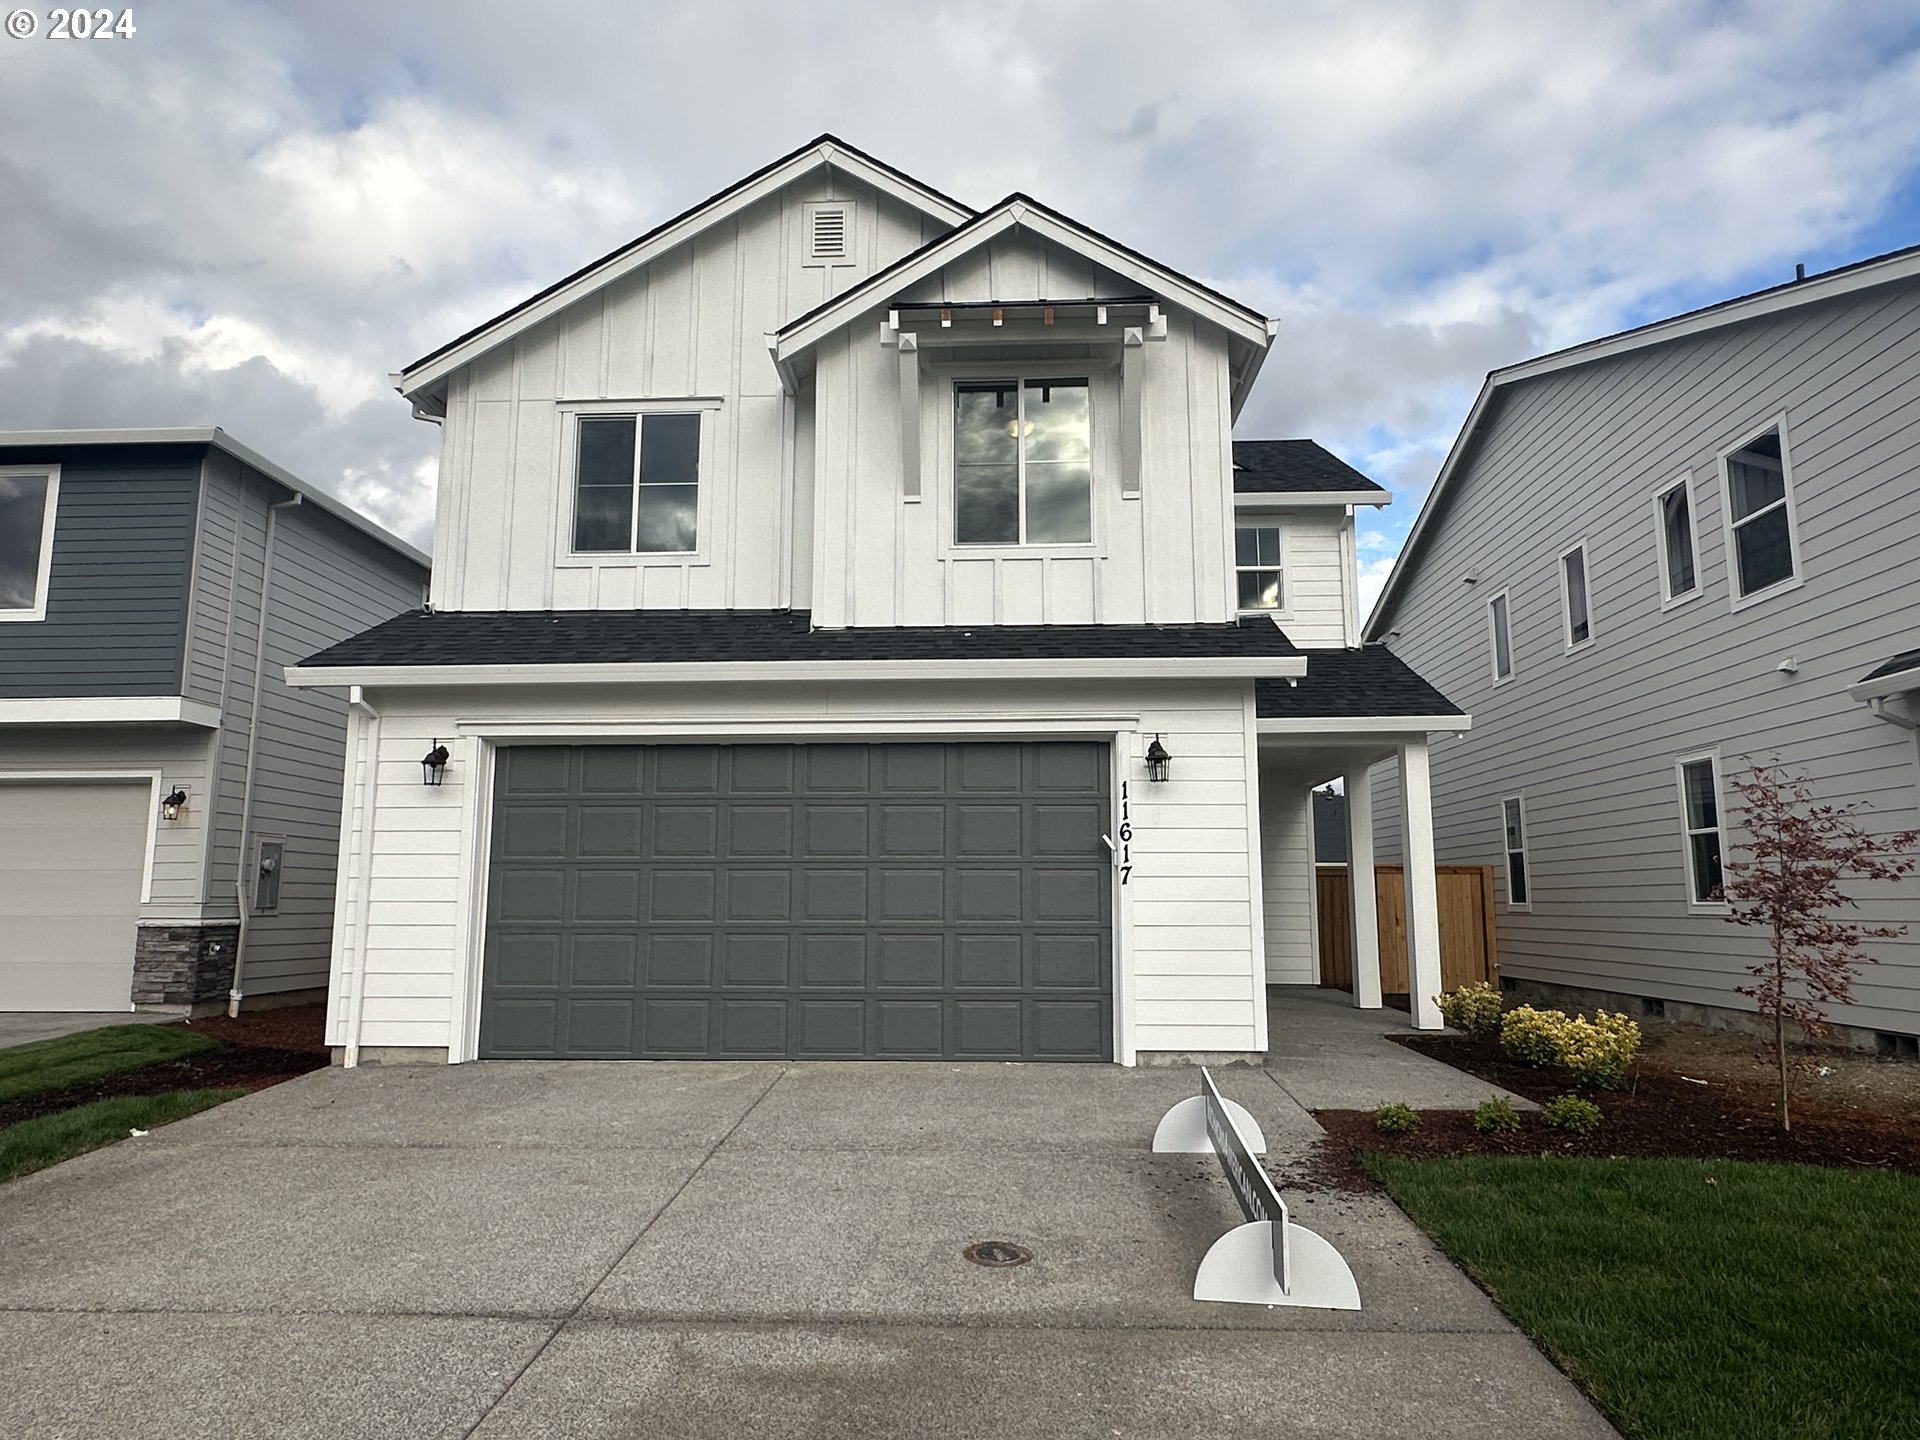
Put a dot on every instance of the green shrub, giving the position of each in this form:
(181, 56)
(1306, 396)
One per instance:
(1531, 1035)
(1494, 1115)
(1599, 1051)
(1474, 1009)
(1571, 1113)
(1395, 1119)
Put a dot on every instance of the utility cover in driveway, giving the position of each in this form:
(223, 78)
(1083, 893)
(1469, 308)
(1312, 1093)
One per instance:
(824, 901)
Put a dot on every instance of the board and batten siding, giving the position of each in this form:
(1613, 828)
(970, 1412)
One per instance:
(690, 325)
(1590, 738)
(117, 589)
(329, 582)
(1189, 923)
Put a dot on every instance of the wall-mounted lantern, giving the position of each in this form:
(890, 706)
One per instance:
(171, 807)
(1159, 762)
(433, 765)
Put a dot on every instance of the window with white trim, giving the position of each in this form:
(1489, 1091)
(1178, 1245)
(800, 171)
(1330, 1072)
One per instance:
(1679, 560)
(1574, 607)
(1259, 563)
(1500, 636)
(28, 499)
(1513, 827)
(1700, 819)
(636, 484)
(1023, 462)
(1760, 514)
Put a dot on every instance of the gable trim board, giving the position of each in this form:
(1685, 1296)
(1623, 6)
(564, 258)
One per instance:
(436, 365)
(1878, 270)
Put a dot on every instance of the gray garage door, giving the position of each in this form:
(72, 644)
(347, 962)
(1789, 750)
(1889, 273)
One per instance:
(821, 901)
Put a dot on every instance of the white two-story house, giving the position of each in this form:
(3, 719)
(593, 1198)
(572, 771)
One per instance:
(855, 633)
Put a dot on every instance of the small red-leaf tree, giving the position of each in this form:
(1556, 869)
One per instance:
(1797, 854)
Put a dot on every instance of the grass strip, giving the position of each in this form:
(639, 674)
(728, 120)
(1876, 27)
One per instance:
(35, 1144)
(65, 1060)
(1695, 1298)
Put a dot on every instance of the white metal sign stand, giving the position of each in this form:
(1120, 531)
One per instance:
(1269, 1260)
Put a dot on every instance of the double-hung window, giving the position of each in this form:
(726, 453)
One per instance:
(1259, 567)
(1513, 825)
(1573, 596)
(1700, 819)
(1500, 636)
(28, 498)
(1760, 515)
(636, 484)
(1023, 462)
(1679, 563)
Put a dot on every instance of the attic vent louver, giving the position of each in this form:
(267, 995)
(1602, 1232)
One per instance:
(829, 234)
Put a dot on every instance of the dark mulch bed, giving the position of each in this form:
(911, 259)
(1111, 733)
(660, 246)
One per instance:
(255, 1051)
(1657, 1114)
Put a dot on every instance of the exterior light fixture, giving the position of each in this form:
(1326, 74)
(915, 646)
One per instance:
(171, 807)
(1159, 762)
(433, 765)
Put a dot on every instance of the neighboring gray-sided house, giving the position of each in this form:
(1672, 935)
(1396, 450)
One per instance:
(1646, 560)
(856, 632)
(159, 850)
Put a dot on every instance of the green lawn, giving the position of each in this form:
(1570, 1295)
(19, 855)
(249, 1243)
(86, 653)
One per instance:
(1696, 1298)
(75, 1059)
(36, 1144)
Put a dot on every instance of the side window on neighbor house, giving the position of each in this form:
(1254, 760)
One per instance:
(636, 484)
(1760, 514)
(1500, 636)
(1023, 462)
(1259, 568)
(27, 503)
(1700, 815)
(1513, 823)
(1679, 566)
(1573, 596)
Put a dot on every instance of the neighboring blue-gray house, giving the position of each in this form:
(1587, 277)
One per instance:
(158, 849)
(1648, 559)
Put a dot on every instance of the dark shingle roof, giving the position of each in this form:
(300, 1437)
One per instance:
(1340, 683)
(1279, 467)
(615, 637)
(1905, 660)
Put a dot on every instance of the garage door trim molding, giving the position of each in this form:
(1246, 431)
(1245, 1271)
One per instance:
(152, 779)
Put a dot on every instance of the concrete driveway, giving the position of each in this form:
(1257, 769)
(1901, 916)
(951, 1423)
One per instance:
(586, 1250)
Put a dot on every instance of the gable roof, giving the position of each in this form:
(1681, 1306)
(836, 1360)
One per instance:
(823, 150)
(1283, 467)
(219, 439)
(1023, 212)
(1368, 681)
(1894, 266)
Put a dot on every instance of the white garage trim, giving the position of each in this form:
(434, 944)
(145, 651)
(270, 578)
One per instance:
(152, 779)
(110, 710)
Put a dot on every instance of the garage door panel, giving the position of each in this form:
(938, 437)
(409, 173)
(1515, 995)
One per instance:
(907, 901)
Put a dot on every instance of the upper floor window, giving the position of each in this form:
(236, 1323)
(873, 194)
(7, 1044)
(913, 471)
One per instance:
(637, 484)
(1500, 634)
(1700, 817)
(1573, 596)
(1679, 564)
(1259, 567)
(1023, 471)
(1759, 514)
(27, 502)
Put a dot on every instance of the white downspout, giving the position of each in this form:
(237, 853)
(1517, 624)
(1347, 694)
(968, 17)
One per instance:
(369, 768)
(235, 994)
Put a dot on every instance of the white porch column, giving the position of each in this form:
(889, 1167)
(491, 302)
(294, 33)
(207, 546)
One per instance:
(1363, 907)
(1422, 887)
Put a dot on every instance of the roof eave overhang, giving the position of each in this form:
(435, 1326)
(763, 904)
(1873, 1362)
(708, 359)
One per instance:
(110, 710)
(1887, 687)
(1361, 724)
(429, 371)
(1297, 499)
(1271, 667)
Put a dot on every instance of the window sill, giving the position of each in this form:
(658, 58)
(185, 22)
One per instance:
(615, 560)
(1674, 602)
(1760, 597)
(1082, 551)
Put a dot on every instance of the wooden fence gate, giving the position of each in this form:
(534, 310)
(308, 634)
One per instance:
(1468, 949)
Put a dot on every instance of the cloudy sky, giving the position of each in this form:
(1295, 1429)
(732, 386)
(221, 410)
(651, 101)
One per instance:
(248, 214)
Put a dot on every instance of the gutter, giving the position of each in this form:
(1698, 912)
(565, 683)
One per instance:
(369, 768)
(236, 994)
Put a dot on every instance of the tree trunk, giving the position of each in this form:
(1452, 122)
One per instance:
(1780, 1054)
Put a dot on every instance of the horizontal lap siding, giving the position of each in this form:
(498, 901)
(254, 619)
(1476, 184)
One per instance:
(1189, 917)
(1591, 738)
(1286, 876)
